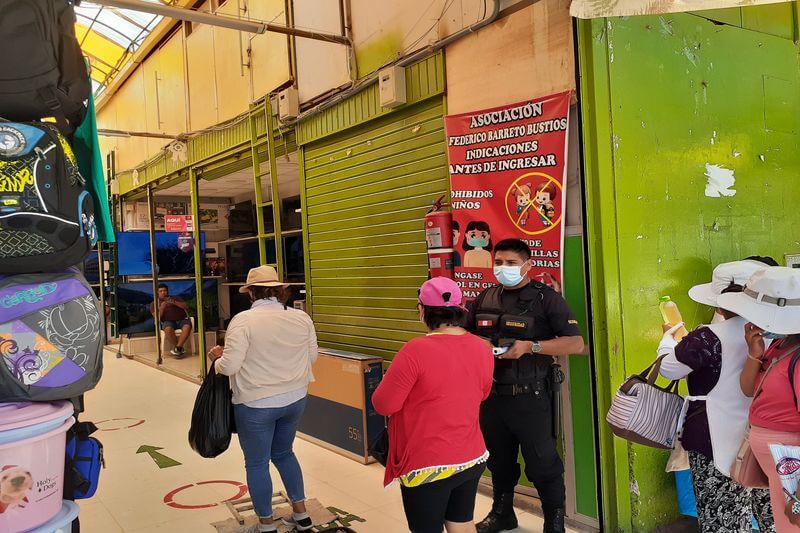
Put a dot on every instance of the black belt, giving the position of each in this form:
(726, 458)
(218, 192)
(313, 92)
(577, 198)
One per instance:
(518, 389)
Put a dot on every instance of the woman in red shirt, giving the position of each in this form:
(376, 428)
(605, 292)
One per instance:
(771, 302)
(432, 393)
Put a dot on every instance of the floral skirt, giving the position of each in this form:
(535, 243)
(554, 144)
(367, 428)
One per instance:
(723, 504)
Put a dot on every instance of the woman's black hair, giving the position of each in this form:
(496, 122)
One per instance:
(478, 225)
(732, 288)
(437, 317)
(767, 260)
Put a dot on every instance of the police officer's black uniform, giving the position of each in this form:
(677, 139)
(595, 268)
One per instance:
(519, 413)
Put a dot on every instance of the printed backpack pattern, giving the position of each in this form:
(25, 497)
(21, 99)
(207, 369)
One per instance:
(51, 339)
(46, 213)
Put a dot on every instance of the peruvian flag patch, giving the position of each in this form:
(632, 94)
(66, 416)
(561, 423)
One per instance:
(485, 323)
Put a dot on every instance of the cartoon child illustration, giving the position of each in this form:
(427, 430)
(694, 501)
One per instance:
(522, 195)
(545, 194)
(478, 245)
(456, 235)
(15, 482)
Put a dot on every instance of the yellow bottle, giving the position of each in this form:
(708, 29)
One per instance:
(671, 316)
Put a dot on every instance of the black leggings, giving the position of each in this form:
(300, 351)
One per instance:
(428, 506)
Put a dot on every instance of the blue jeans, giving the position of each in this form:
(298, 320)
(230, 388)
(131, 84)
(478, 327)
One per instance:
(264, 435)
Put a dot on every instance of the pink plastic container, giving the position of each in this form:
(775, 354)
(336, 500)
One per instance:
(32, 449)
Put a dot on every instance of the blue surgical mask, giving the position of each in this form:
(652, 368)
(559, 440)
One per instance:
(773, 336)
(508, 276)
(478, 242)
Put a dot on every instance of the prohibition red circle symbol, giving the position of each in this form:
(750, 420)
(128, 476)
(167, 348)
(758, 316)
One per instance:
(124, 423)
(169, 499)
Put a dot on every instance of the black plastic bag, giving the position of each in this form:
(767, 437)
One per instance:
(212, 416)
(379, 448)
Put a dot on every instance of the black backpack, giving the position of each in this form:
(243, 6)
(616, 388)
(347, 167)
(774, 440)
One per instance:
(42, 69)
(46, 213)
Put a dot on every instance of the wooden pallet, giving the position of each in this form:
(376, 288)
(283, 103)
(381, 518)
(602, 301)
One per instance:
(243, 505)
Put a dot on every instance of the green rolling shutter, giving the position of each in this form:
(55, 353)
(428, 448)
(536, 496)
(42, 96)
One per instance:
(367, 191)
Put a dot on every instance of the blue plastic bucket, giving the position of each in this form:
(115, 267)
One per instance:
(62, 522)
(687, 505)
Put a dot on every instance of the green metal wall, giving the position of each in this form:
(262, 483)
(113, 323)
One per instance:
(662, 97)
(366, 192)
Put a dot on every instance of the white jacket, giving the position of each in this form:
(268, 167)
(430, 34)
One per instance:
(269, 350)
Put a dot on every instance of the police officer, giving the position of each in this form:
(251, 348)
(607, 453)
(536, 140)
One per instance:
(528, 323)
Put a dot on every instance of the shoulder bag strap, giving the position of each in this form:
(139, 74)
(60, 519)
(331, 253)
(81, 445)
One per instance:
(792, 367)
(772, 365)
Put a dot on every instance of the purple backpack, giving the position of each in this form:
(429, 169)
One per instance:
(51, 337)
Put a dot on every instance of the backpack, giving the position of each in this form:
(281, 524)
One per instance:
(42, 69)
(84, 461)
(46, 214)
(51, 337)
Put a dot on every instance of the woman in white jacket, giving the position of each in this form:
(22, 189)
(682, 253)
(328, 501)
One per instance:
(269, 350)
(711, 359)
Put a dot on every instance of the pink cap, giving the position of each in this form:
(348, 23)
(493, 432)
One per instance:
(440, 292)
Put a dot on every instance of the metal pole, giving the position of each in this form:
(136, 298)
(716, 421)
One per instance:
(220, 21)
(198, 270)
(276, 197)
(151, 212)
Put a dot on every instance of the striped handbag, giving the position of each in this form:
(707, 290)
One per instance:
(645, 413)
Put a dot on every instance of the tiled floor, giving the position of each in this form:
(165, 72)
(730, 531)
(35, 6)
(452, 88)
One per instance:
(133, 489)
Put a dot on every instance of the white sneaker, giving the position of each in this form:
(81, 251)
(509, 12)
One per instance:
(300, 522)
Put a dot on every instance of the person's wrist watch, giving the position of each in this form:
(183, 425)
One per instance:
(536, 347)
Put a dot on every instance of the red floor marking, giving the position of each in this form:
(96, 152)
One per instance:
(137, 422)
(169, 499)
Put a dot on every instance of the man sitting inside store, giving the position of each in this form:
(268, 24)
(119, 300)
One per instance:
(174, 317)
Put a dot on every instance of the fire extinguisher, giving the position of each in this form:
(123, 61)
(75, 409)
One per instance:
(439, 237)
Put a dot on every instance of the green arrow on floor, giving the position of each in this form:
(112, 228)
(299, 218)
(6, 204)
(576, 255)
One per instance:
(160, 459)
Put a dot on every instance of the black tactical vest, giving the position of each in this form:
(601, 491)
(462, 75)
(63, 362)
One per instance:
(530, 368)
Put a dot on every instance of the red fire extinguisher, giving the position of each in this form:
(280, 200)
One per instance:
(439, 237)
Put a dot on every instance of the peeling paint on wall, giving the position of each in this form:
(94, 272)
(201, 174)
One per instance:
(720, 181)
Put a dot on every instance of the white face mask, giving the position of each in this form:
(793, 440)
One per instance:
(508, 276)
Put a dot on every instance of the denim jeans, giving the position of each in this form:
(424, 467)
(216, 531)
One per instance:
(264, 435)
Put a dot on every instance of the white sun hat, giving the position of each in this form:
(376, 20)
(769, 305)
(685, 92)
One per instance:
(725, 275)
(263, 276)
(770, 300)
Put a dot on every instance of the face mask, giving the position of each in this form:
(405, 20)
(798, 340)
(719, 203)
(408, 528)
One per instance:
(508, 276)
(478, 242)
(773, 336)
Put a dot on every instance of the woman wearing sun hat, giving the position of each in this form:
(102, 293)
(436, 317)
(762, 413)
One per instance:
(432, 393)
(770, 303)
(711, 359)
(269, 350)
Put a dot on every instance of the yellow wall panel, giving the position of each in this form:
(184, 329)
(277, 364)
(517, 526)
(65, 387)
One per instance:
(270, 51)
(172, 87)
(481, 73)
(132, 150)
(150, 73)
(233, 80)
(202, 82)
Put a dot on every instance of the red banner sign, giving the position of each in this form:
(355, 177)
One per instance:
(178, 223)
(508, 179)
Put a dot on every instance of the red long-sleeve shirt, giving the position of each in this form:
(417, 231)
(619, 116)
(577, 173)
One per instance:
(432, 393)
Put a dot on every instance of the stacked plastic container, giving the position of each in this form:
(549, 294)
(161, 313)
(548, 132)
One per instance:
(32, 451)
